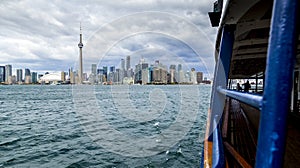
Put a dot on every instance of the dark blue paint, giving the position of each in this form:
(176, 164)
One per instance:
(250, 99)
(221, 78)
(218, 149)
(226, 48)
(278, 84)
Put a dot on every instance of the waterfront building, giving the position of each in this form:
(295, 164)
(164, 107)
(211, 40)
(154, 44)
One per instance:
(72, 76)
(187, 77)
(8, 74)
(179, 67)
(84, 77)
(63, 76)
(27, 72)
(193, 76)
(199, 77)
(39, 76)
(13, 79)
(181, 76)
(127, 62)
(34, 77)
(56, 77)
(94, 69)
(105, 71)
(122, 64)
(2, 74)
(159, 75)
(19, 76)
(28, 79)
(172, 74)
(129, 73)
(27, 76)
(117, 78)
(138, 75)
(112, 69)
(145, 76)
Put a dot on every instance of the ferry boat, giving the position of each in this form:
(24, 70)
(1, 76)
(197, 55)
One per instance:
(256, 40)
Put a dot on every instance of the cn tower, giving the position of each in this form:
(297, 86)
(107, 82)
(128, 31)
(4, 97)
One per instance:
(80, 45)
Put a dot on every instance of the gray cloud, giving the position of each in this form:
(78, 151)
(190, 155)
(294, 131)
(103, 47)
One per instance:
(43, 35)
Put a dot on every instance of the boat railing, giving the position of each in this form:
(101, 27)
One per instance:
(219, 157)
(250, 99)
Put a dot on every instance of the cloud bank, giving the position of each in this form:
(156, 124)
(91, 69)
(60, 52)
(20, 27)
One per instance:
(43, 35)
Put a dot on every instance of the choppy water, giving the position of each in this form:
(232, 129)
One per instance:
(137, 126)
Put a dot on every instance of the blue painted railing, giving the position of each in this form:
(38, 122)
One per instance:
(218, 149)
(278, 84)
(250, 99)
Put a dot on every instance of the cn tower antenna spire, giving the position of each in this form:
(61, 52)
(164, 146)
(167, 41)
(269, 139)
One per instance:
(80, 45)
(80, 28)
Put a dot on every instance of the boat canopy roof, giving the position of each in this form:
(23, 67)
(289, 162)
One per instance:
(251, 19)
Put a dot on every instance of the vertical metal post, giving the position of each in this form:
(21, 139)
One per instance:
(256, 83)
(222, 70)
(278, 84)
(295, 103)
(221, 79)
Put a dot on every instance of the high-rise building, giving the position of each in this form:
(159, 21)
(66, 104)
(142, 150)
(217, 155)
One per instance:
(27, 76)
(199, 77)
(80, 45)
(193, 76)
(34, 77)
(159, 75)
(181, 77)
(173, 74)
(105, 71)
(8, 73)
(72, 77)
(27, 72)
(2, 74)
(28, 79)
(94, 69)
(179, 67)
(145, 76)
(84, 77)
(19, 75)
(122, 64)
(138, 75)
(112, 69)
(127, 62)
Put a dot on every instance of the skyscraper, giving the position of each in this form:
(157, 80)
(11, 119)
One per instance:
(27, 72)
(2, 74)
(112, 69)
(27, 76)
(199, 77)
(179, 67)
(33, 77)
(172, 73)
(122, 64)
(8, 73)
(94, 69)
(80, 45)
(105, 71)
(128, 62)
(193, 76)
(19, 75)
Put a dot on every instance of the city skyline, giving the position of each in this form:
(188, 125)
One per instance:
(134, 73)
(44, 40)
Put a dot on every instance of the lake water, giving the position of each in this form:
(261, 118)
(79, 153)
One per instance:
(102, 126)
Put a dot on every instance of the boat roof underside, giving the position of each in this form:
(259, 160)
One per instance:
(251, 36)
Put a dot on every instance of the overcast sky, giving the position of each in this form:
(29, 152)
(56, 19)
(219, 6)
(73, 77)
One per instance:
(43, 35)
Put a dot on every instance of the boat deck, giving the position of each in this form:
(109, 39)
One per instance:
(241, 135)
(292, 152)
